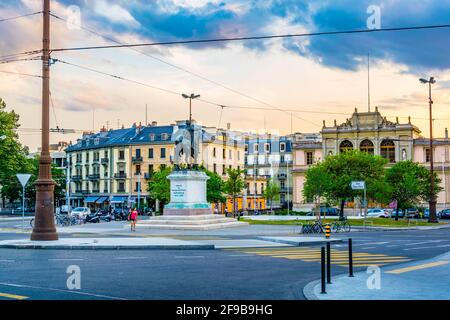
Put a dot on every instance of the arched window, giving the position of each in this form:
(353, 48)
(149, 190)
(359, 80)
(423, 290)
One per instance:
(366, 146)
(388, 150)
(345, 146)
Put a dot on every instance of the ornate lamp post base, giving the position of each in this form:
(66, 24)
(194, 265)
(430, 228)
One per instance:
(44, 223)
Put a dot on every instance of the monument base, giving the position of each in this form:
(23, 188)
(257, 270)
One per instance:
(190, 222)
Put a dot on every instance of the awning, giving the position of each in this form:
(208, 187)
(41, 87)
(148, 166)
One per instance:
(118, 199)
(90, 199)
(101, 200)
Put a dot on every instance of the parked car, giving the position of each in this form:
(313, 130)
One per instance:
(378, 213)
(81, 212)
(329, 211)
(412, 213)
(444, 214)
(400, 213)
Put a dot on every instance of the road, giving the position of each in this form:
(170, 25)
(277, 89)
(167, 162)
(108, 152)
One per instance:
(244, 273)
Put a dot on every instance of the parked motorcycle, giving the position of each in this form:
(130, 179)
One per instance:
(93, 217)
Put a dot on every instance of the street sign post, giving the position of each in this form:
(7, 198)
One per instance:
(23, 178)
(361, 185)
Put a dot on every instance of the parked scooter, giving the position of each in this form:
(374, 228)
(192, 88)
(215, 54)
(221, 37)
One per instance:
(93, 217)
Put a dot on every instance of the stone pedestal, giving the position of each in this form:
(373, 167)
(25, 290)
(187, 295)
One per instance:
(187, 194)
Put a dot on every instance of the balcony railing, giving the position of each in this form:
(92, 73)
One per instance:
(120, 175)
(104, 161)
(147, 176)
(94, 176)
(282, 176)
(77, 177)
(136, 159)
(85, 191)
(95, 190)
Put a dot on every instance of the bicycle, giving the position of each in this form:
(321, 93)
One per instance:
(343, 225)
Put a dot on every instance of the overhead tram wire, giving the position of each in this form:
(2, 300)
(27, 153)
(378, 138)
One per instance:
(21, 16)
(15, 55)
(165, 62)
(250, 38)
(281, 36)
(152, 86)
(21, 74)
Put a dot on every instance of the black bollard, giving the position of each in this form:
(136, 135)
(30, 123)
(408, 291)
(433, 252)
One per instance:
(350, 258)
(322, 267)
(328, 263)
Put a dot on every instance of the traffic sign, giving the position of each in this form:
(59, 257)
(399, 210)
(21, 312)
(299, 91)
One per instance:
(23, 178)
(358, 185)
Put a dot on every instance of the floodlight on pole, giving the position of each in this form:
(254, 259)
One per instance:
(190, 97)
(432, 202)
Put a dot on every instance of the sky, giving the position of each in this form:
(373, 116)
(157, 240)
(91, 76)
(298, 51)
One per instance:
(324, 74)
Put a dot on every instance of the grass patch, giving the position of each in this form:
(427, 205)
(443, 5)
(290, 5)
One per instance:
(375, 222)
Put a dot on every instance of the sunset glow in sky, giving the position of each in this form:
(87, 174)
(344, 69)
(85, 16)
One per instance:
(325, 74)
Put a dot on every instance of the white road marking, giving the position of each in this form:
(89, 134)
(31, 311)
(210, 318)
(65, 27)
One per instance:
(129, 258)
(423, 242)
(442, 246)
(68, 259)
(368, 248)
(60, 290)
(238, 255)
(181, 257)
(371, 243)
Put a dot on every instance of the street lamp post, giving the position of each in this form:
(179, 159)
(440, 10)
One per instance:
(190, 97)
(432, 217)
(44, 226)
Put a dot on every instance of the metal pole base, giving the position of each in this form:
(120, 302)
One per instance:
(44, 220)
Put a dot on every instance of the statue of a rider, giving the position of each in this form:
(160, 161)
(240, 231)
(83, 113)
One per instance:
(187, 146)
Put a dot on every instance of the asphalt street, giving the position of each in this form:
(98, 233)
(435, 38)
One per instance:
(262, 273)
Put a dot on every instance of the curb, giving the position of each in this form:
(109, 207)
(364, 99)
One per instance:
(308, 290)
(78, 247)
(300, 243)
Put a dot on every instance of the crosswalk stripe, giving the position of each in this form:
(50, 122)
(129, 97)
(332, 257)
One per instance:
(338, 257)
(12, 296)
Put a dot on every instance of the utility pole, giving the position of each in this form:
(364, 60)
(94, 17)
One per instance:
(432, 218)
(44, 225)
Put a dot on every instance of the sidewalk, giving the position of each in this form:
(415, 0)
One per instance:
(418, 280)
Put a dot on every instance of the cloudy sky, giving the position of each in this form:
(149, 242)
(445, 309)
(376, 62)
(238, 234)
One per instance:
(321, 77)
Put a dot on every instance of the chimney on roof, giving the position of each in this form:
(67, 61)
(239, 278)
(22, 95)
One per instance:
(103, 129)
(154, 123)
(446, 133)
(123, 126)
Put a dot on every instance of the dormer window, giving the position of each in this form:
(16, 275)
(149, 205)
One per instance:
(152, 137)
(164, 136)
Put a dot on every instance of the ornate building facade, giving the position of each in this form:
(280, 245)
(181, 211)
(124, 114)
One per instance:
(372, 133)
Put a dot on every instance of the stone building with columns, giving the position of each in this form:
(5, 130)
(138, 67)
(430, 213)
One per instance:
(373, 133)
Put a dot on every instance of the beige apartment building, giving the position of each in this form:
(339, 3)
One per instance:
(112, 167)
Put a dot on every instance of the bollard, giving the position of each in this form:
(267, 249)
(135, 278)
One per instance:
(322, 269)
(328, 263)
(350, 258)
(327, 231)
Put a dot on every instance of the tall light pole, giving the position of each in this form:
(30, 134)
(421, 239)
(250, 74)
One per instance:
(44, 223)
(432, 217)
(190, 97)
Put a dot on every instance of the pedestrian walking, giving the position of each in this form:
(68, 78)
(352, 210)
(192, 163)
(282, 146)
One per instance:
(133, 219)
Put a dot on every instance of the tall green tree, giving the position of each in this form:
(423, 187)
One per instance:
(215, 187)
(272, 193)
(410, 183)
(349, 166)
(159, 185)
(234, 185)
(317, 185)
(12, 153)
